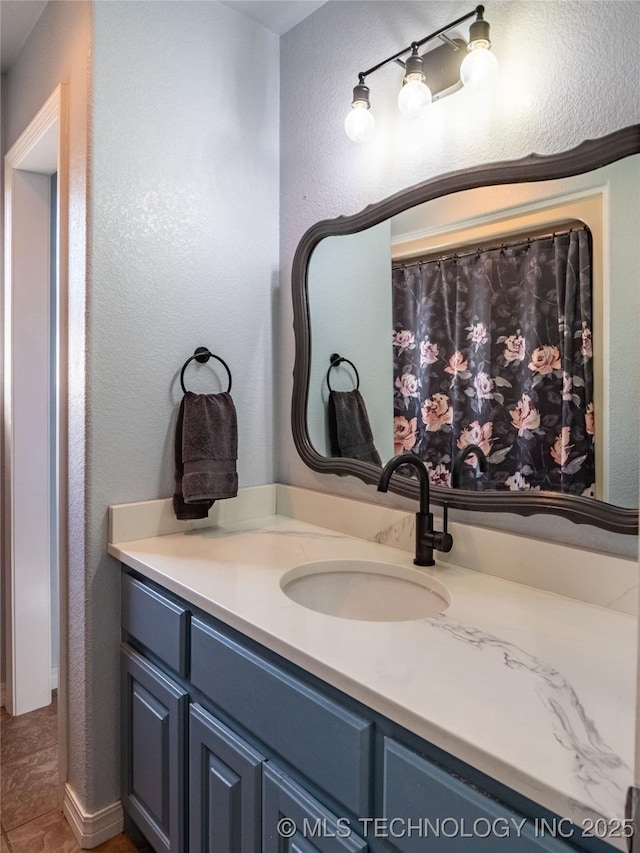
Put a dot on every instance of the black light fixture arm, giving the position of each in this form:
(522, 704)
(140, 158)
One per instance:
(478, 11)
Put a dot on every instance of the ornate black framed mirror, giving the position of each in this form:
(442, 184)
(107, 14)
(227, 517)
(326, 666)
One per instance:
(342, 303)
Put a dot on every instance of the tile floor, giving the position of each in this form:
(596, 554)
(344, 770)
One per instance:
(30, 821)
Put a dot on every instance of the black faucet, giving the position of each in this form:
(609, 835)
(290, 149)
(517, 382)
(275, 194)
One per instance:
(428, 540)
(470, 449)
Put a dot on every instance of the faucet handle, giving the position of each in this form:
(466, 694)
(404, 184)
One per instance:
(443, 541)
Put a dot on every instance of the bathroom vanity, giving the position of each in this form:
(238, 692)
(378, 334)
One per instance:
(251, 722)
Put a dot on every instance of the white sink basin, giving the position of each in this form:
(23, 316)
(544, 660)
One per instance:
(366, 590)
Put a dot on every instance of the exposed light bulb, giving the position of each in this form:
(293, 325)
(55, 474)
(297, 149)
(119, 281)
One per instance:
(479, 68)
(360, 124)
(414, 96)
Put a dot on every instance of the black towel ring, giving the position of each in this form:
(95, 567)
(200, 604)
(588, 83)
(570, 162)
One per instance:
(334, 361)
(202, 354)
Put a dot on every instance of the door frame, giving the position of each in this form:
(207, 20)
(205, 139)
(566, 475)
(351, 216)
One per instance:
(42, 148)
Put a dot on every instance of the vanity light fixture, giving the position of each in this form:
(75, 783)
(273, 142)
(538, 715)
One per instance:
(414, 94)
(429, 76)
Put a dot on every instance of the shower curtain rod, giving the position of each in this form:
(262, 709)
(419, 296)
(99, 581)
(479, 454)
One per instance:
(423, 259)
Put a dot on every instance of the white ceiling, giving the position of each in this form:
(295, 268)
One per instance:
(279, 16)
(17, 19)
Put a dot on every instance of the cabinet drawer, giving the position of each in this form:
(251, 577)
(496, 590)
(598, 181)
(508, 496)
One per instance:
(460, 817)
(156, 622)
(325, 742)
(294, 822)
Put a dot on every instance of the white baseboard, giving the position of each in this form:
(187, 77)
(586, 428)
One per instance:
(91, 830)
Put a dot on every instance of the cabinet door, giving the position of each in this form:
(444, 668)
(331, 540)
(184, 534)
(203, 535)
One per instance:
(153, 745)
(225, 794)
(294, 822)
(446, 815)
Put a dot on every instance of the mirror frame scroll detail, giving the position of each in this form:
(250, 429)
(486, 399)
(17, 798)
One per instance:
(586, 157)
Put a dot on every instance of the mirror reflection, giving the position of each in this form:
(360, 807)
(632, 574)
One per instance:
(501, 319)
(492, 349)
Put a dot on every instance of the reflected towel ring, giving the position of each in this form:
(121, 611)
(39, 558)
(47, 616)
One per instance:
(334, 361)
(202, 354)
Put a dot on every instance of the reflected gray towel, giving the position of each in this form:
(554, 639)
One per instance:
(206, 449)
(350, 432)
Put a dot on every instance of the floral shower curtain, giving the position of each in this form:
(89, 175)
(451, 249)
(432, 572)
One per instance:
(494, 348)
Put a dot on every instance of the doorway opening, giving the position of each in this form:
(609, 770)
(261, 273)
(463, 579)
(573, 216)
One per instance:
(34, 423)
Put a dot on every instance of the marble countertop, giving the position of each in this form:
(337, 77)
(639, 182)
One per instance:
(533, 689)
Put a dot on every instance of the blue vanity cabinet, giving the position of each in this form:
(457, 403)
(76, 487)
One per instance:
(153, 755)
(223, 741)
(225, 788)
(295, 822)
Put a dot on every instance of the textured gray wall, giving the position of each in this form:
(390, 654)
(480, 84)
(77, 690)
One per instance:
(184, 252)
(549, 98)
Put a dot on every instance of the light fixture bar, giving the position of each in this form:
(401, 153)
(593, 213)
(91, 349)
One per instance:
(479, 11)
(445, 38)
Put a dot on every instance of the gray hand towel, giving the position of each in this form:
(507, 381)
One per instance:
(350, 432)
(206, 450)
